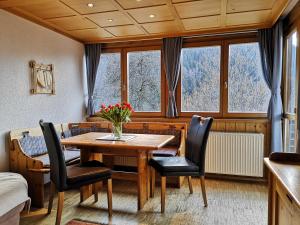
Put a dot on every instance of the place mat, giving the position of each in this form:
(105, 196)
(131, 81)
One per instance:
(110, 137)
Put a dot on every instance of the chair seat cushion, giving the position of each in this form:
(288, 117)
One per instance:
(174, 166)
(70, 155)
(167, 151)
(79, 175)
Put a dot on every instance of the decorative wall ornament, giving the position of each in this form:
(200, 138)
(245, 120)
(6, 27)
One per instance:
(42, 78)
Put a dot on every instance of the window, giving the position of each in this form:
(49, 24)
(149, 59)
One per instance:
(200, 79)
(290, 93)
(144, 80)
(108, 81)
(247, 89)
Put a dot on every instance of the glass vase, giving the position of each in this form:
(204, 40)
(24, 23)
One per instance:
(117, 130)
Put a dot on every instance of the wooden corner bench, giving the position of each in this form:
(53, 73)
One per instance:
(28, 156)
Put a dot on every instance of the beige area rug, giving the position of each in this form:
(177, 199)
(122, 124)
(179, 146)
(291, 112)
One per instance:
(229, 203)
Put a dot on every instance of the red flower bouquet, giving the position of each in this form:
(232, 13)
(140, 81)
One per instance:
(116, 114)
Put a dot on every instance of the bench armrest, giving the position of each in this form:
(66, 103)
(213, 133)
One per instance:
(181, 149)
(39, 170)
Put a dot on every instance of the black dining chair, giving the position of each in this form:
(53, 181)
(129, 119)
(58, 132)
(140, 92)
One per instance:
(72, 177)
(193, 164)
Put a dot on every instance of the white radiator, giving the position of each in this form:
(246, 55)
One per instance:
(235, 154)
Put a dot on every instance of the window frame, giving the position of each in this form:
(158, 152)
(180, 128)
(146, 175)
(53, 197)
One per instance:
(225, 87)
(289, 116)
(179, 88)
(125, 88)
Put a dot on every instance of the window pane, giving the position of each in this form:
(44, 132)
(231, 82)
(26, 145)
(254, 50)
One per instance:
(200, 79)
(144, 78)
(108, 81)
(290, 135)
(291, 72)
(247, 89)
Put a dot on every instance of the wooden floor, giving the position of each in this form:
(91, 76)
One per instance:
(229, 203)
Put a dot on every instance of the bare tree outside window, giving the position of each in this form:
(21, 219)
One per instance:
(108, 81)
(200, 79)
(247, 89)
(144, 79)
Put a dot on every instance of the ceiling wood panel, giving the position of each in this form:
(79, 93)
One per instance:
(117, 20)
(73, 23)
(110, 19)
(129, 30)
(202, 22)
(160, 13)
(198, 8)
(162, 27)
(98, 6)
(248, 17)
(132, 4)
(245, 6)
(49, 10)
(15, 3)
(90, 34)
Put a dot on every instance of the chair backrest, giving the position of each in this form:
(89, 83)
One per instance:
(58, 171)
(197, 139)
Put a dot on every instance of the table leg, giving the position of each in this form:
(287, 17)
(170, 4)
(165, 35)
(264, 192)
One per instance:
(149, 177)
(142, 179)
(87, 190)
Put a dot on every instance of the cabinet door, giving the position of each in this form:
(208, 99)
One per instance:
(284, 207)
(284, 216)
(296, 216)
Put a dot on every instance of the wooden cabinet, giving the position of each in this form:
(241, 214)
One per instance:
(284, 193)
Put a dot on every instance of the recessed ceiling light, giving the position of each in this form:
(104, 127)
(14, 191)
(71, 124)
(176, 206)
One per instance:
(110, 20)
(138, 0)
(151, 15)
(91, 5)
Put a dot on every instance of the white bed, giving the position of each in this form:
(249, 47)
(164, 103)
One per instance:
(13, 197)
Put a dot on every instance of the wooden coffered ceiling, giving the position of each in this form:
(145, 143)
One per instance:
(115, 20)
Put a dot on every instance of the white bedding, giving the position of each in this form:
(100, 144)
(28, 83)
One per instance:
(13, 191)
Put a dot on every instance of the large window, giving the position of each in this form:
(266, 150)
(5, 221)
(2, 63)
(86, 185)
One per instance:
(108, 81)
(290, 93)
(247, 89)
(144, 80)
(222, 77)
(200, 79)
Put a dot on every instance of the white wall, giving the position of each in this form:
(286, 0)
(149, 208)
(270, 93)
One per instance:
(20, 42)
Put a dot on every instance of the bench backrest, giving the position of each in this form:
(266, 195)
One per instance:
(31, 140)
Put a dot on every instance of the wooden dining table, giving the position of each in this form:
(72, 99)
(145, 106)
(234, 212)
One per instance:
(140, 146)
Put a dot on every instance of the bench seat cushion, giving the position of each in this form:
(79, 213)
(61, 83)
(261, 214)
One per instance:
(33, 145)
(167, 151)
(70, 155)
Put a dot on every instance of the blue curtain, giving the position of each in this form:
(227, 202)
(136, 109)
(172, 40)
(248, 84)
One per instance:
(271, 45)
(92, 56)
(171, 52)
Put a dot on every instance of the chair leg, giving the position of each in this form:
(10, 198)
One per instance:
(190, 184)
(152, 182)
(109, 196)
(51, 196)
(60, 206)
(95, 191)
(163, 193)
(203, 190)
